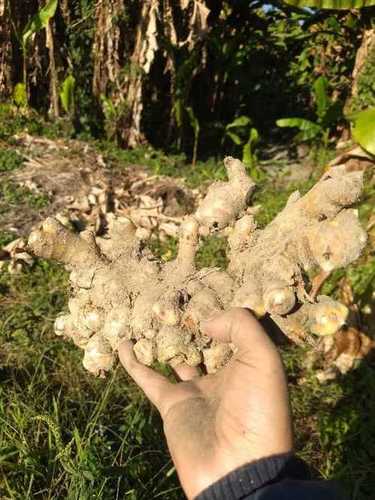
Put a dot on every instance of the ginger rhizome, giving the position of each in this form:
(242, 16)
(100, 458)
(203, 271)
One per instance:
(121, 291)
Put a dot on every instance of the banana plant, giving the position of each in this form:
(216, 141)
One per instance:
(327, 114)
(19, 95)
(331, 4)
(241, 132)
(37, 23)
(67, 95)
(363, 129)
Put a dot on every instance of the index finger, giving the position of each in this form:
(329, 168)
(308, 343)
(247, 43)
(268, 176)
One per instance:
(154, 385)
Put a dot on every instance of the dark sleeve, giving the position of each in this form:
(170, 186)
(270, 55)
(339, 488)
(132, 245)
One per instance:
(281, 477)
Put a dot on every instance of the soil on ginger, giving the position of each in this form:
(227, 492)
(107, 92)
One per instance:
(66, 434)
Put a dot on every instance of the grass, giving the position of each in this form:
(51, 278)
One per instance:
(9, 160)
(161, 164)
(12, 195)
(211, 253)
(5, 238)
(335, 425)
(65, 434)
(16, 120)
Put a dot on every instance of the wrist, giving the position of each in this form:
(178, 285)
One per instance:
(245, 480)
(200, 475)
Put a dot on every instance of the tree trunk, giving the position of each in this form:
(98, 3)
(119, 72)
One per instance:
(53, 78)
(362, 65)
(124, 89)
(6, 51)
(367, 46)
(106, 48)
(140, 64)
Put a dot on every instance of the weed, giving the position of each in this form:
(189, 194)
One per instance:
(64, 433)
(13, 195)
(213, 252)
(161, 164)
(165, 250)
(9, 160)
(5, 238)
(273, 199)
(16, 121)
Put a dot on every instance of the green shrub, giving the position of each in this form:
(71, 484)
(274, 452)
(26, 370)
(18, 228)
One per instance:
(12, 195)
(9, 160)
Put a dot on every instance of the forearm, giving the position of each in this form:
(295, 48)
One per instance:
(282, 477)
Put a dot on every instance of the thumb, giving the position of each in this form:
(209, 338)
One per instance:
(154, 385)
(240, 327)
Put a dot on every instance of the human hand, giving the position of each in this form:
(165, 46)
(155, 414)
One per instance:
(217, 423)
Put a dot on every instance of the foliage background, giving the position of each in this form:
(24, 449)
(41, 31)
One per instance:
(151, 71)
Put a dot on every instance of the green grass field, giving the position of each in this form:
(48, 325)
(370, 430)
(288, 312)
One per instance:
(66, 434)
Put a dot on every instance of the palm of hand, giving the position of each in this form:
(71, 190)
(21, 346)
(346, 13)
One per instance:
(216, 423)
